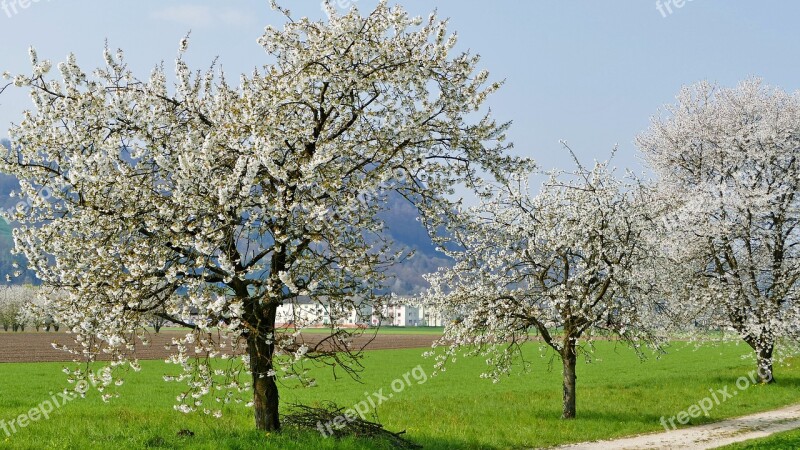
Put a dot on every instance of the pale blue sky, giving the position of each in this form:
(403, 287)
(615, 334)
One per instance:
(589, 72)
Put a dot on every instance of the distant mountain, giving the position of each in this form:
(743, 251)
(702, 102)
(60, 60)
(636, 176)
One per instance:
(406, 231)
(5, 230)
(9, 183)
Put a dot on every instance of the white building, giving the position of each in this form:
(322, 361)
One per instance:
(400, 313)
(429, 317)
(306, 313)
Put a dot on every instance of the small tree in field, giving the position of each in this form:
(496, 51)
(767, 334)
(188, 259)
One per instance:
(565, 264)
(729, 165)
(157, 320)
(211, 205)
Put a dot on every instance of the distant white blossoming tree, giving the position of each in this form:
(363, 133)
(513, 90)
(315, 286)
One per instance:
(12, 307)
(564, 265)
(728, 162)
(212, 205)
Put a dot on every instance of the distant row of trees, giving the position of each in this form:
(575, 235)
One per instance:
(17, 313)
(21, 308)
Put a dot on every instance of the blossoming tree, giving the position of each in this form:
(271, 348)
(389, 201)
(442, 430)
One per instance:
(12, 311)
(212, 205)
(565, 264)
(729, 163)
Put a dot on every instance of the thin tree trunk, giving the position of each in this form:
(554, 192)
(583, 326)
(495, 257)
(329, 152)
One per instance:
(764, 352)
(569, 358)
(265, 390)
(764, 347)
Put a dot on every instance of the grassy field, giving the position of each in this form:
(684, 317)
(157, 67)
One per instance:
(617, 395)
(789, 440)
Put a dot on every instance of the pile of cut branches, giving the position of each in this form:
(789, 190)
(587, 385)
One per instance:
(331, 420)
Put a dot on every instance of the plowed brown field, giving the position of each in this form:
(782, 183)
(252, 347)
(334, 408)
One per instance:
(37, 347)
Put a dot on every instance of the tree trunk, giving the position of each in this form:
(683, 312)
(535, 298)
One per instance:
(764, 352)
(764, 347)
(265, 390)
(569, 358)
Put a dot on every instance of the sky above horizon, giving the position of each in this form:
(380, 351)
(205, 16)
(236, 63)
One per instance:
(590, 73)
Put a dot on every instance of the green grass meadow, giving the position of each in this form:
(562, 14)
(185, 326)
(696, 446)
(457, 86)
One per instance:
(789, 440)
(617, 395)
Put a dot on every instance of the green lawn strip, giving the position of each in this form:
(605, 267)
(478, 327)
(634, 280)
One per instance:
(434, 331)
(788, 440)
(617, 396)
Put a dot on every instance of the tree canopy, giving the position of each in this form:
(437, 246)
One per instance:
(214, 204)
(728, 161)
(568, 263)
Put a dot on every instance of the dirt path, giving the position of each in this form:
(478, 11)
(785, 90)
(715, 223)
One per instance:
(707, 436)
(38, 347)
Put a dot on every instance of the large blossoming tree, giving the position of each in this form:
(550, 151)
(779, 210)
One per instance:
(211, 205)
(563, 265)
(728, 162)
